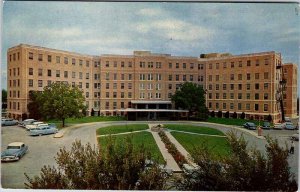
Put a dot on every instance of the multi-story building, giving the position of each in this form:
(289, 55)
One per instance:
(290, 73)
(143, 83)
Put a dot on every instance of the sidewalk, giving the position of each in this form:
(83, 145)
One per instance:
(171, 163)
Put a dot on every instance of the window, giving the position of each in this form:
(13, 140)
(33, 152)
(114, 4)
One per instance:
(122, 86)
(49, 73)
(142, 77)
(14, 71)
(57, 59)
(87, 63)
(200, 66)
(266, 75)
(40, 83)
(256, 75)
(158, 87)
(142, 86)
(231, 105)
(232, 64)
(87, 85)
(265, 107)
(129, 95)
(239, 106)
(122, 64)
(142, 95)
(231, 86)
(247, 106)
(256, 86)
(266, 61)
(210, 87)
(210, 95)
(40, 57)
(73, 61)
(209, 105)
(30, 56)
(183, 77)
(240, 77)
(158, 77)
(149, 86)
(157, 95)
(266, 85)
(170, 86)
(231, 95)
(122, 76)
(200, 78)
(129, 85)
(240, 64)
(191, 65)
(106, 105)
(87, 94)
(210, 66)
(142, 64)
(73, 84)
(257, 62)
(256, 96)
(107, 76)
(30, 71)
(158, 65)
(57, 73)
(129, 76)
(129, 64)
(217, 77)
(217, 105)
(248, 63)
(114, 94)
(80, 75)
(40, 72)
(30, 82)
(80, 85)
(122, 94)
(224, 105)
(87, 76)
(266, 96)
(248, 95)
(191, 78)
(115, 86)
(248, 76)
(65, 74)
(224, 86)
(240, 86)
(224, 65)
(170, 65)
(49, 58)
(248, 86)
(217, 65)
(217, 86)
(107, 94)
(107, 85)
(210, 78)
(66, 60)
(107, 64)
(150, 77)
(231, 76)
(170, 77)
(73, 74)
(256, 107)
(224, 95)
(240, 96)
(115, 64)
(177, 77)
(177, 65)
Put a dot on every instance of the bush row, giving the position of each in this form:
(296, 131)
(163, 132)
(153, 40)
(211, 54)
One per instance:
(178, 157)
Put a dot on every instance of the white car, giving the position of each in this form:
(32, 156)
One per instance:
(27, 122)
(279, 126)
(34, 125)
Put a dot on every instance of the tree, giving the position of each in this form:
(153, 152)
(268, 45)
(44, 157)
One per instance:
(61, 101)
(212, 114)
(243, 170)
(191, 97)
(234, 115)
(227, 114)
(4, 99)
(219, 114)
(116, 167)
(269, 118)
(243, 115)
(34, 106)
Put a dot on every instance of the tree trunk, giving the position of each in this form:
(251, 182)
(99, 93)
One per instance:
(63, 121)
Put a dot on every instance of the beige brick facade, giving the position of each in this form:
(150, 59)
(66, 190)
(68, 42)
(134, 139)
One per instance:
(244, 83)
(290, 73)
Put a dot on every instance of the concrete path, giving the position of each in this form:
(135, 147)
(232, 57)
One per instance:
(171, 163)
(125, 133)
(181, 149)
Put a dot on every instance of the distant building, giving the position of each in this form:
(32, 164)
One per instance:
(140, 85)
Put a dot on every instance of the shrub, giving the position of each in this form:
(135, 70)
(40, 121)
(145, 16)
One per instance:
(220, 114)
(212, 114)
(234, 115)
(243, 115)
(227, 114)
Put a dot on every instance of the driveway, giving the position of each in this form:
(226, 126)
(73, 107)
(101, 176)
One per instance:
(43, 149)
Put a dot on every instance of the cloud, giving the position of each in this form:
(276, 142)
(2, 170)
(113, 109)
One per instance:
(150, 12)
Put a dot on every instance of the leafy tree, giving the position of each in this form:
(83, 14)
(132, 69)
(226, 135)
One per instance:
(191, 97)
(4, 96)
(61, 101)
(117, 167)
(243, 170)
(34, 106)
(234, 115)
(212, 114)
(219, 114)
(92, 112)
(243, 115)
(227, 114)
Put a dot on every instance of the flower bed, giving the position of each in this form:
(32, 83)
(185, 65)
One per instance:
(178, 157)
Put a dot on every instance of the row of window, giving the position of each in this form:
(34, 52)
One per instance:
(184, 66)
(114, 105)
(239, 76)
(239, 64)
(14, 72)
(14, 56)
(14, 83)
(239, 106)
(14, 94)
(239, 96)
(150, 95)
(239, 86)
(14, 105)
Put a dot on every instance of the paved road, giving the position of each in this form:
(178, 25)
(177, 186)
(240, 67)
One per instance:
(43, 149)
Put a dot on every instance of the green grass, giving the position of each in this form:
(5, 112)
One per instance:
(217, 145)
(89, 119)
(121, 129)
(229, 121)
(138, 139)
(194, 129)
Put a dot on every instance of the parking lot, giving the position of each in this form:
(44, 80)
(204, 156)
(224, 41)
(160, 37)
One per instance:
(42, 149)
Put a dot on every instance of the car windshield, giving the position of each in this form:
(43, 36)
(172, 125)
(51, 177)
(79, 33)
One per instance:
(13, 147)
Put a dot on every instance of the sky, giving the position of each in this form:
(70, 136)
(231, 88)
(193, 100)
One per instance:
(181, 29)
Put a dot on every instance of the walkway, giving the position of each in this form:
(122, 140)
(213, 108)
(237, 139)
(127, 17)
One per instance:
(171, 163)
(125, 133)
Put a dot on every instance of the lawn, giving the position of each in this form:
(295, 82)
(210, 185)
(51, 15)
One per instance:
(194, 129)
(229, 121)
(121, 129)
(218, 145)
(138, 139)
(89, 119)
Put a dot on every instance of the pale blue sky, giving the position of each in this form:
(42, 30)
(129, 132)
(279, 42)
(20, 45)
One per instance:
(187, 29)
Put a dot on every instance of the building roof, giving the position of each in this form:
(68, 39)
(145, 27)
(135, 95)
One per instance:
(150, 102)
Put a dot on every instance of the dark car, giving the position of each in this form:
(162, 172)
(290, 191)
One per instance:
(14, 151)
(250, 125)
(266, 125)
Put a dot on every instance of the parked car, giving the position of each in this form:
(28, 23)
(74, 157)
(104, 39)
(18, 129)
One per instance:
(250, 125)
(266, 125)
(27, 122)
(14, 151)
(278, 126)
(289, 126)
(33, 125)
(295, 137)
(43, 130)
(8, 122)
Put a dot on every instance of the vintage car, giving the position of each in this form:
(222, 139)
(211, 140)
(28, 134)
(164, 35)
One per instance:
(7, 122)
(14, 151)
(266, 125)
(33, 125)
(43, 130)
(27, 122)
(289, 126)
(250, 125)
(278, 126)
